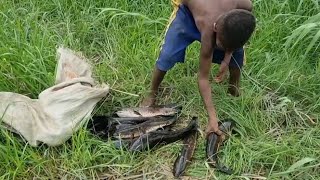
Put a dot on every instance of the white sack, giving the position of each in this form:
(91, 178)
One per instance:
(59, 110)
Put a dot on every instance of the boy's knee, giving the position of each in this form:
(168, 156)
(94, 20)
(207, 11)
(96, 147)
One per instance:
(167, 60)
(164, 63)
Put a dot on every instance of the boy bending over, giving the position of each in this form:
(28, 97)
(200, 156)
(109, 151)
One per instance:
(222, 27)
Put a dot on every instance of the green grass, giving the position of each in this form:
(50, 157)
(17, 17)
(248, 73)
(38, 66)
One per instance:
(280, 88)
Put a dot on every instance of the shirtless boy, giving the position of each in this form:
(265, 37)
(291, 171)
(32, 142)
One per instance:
(222, 27)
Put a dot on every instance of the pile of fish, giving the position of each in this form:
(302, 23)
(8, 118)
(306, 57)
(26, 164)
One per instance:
(143, 128)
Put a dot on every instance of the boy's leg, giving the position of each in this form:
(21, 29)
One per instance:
(181, 33)
(234, 81)
(235, 67)
(157, 78)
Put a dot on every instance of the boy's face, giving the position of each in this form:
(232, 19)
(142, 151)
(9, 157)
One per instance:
(219, 39)
(218, 42)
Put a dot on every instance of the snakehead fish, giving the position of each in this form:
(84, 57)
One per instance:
(151, 111)
(101, 126)
(136, 120)
(213, 143)
(227, 126)
(187, 151)
(132, 131)
(151, 139)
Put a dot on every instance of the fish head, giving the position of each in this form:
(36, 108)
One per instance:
(227, 125)
(167, 111)
(127, 113)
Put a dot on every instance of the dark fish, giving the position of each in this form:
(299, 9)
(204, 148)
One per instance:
(101, 126)
(151, 111)
(212, 146)
(135, 120)
(105, 126)
(187, 151)
(125, 143)
(121, 127)
(227, 127)
(133, 131)
(150, 140)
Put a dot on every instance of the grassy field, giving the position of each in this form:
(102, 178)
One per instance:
(278, 112)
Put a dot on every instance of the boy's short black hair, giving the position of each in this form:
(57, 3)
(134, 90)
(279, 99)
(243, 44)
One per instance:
(237, 27)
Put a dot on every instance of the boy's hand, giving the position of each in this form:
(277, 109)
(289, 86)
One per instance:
(214, 127)
(222, 72)
(224, 66)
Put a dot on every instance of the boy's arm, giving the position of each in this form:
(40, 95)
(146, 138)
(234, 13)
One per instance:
(206, 53)
(224, 66)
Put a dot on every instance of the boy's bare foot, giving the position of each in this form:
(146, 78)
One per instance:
(148, 101)
(233, 90)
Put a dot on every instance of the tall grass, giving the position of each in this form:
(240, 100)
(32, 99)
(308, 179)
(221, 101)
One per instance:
(277, 112)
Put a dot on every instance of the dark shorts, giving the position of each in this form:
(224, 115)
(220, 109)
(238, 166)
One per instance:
(181, 33)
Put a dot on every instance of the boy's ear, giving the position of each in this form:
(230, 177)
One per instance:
(215, 27)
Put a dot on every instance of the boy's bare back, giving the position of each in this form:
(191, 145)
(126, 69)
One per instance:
(207, 11)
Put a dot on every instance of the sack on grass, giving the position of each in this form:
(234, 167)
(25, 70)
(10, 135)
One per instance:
(60, 110)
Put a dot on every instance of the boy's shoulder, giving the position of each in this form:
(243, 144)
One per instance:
(245, 4)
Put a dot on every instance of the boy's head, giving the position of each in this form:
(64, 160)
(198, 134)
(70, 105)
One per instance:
(234, 28)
